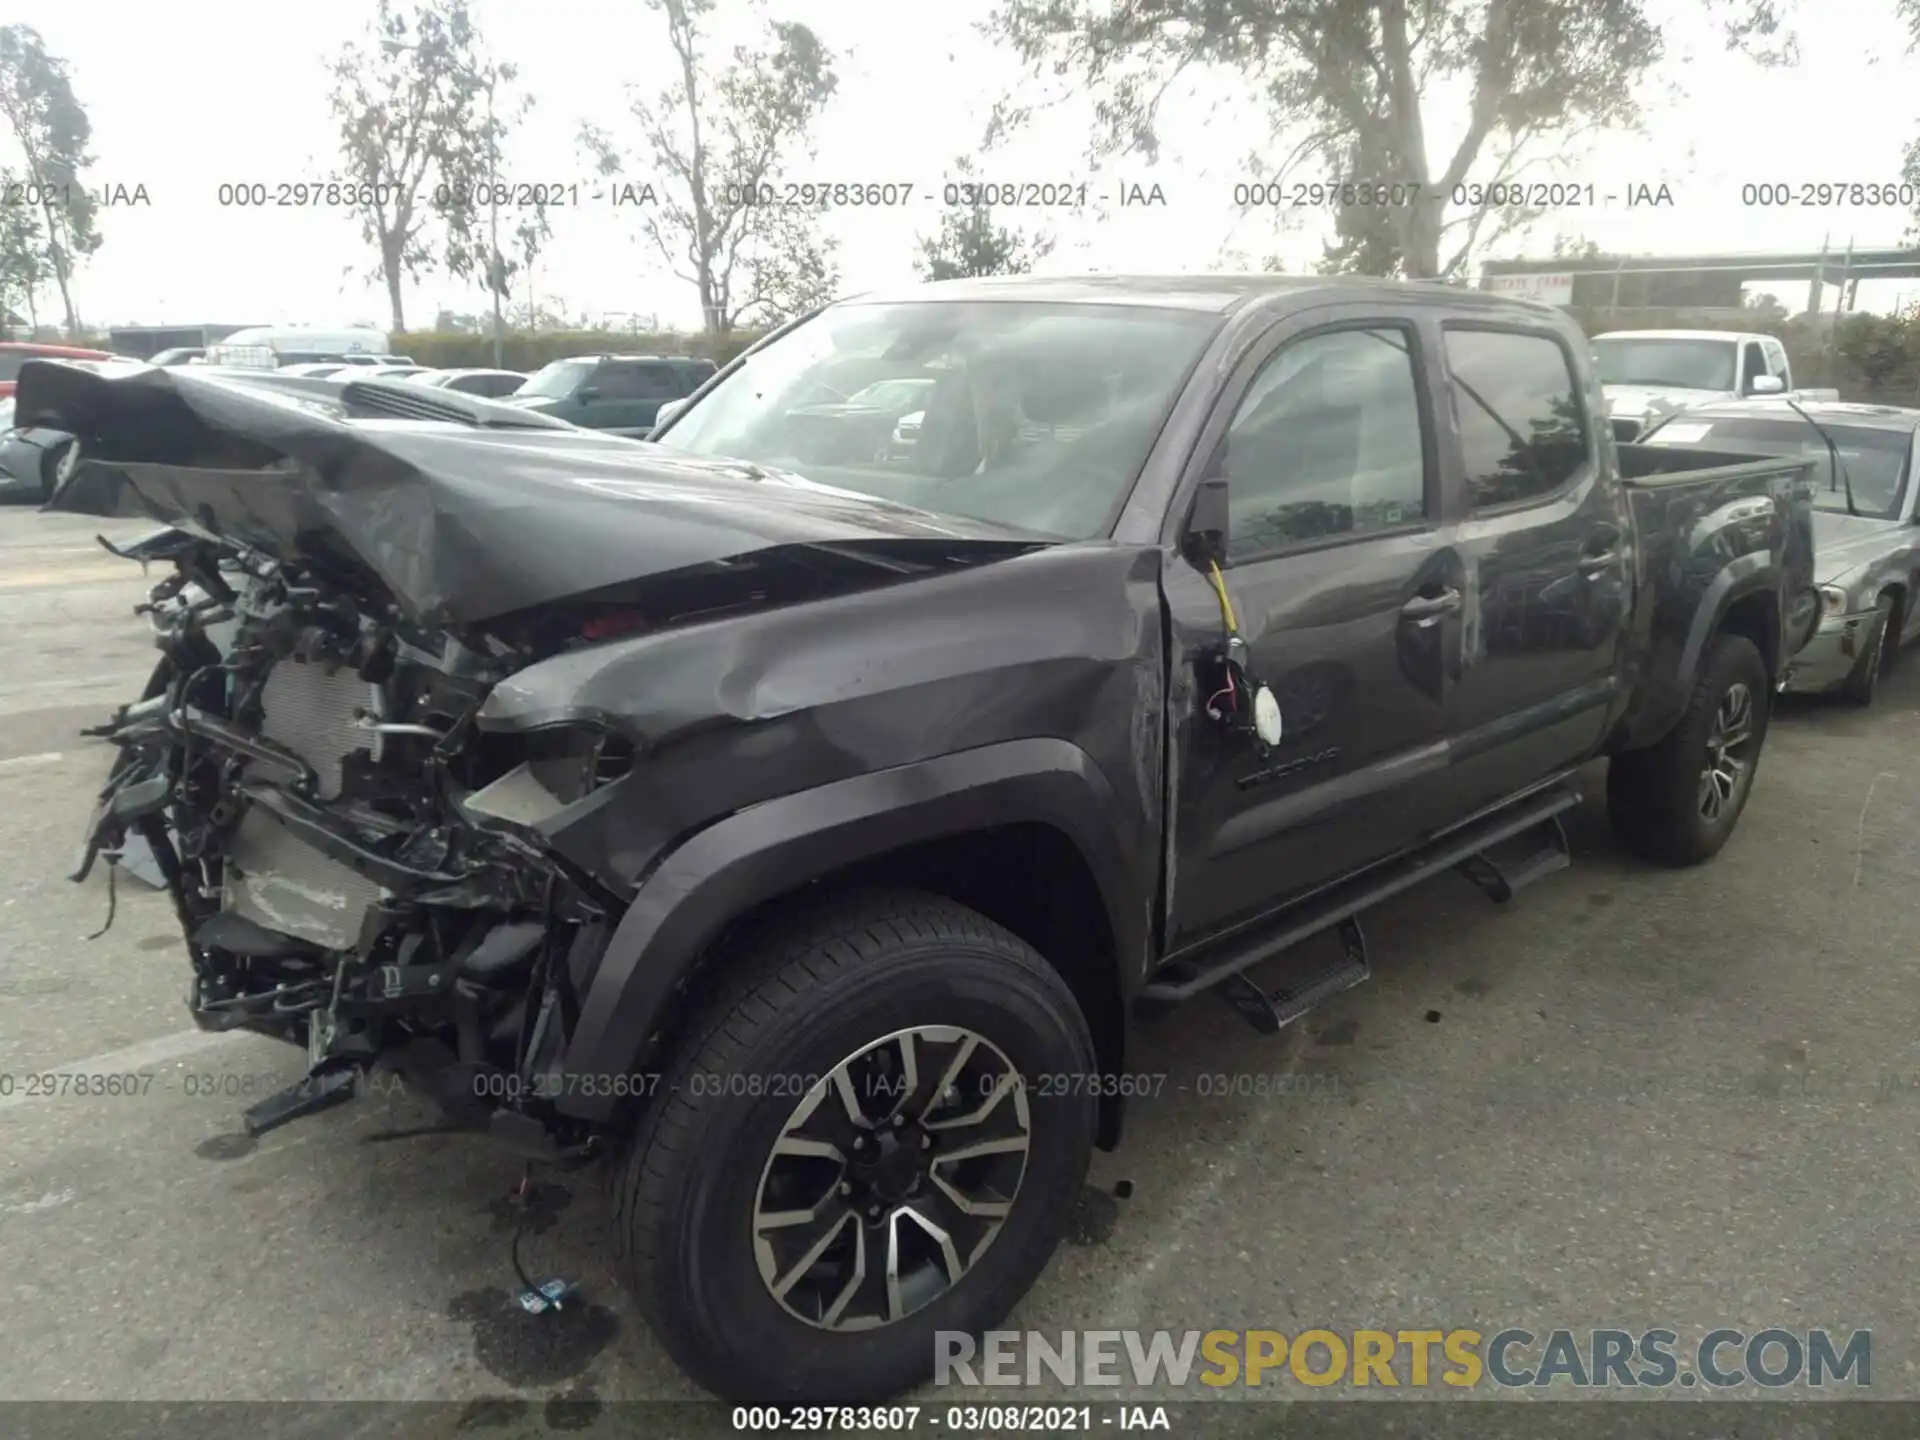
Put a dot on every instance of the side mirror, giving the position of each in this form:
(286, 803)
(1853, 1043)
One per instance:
(666, 413)
(586, 393)
(1205, 542)
(1767, 385)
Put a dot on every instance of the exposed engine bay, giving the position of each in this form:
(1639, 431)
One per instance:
(414, 650)
(347, 850)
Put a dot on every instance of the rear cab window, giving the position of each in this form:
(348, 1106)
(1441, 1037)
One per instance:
(637, 380)
(1518, 408)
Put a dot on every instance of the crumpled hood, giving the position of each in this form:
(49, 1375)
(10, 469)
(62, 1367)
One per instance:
(1640, 400)
(461, 523)
(1844, 542)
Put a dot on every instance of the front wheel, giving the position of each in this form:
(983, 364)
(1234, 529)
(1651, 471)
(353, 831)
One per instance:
(1876, 658)
(869, 1136)
(1676, 802)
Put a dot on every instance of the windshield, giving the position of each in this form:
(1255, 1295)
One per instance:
(1875, 460)
(1680, 364)
(1037, 417)
(562, 377)
(6, 413)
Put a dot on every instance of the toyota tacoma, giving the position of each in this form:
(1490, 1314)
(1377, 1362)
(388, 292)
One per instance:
(789, 833)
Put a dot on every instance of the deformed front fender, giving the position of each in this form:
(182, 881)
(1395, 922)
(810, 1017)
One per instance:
(769, 849)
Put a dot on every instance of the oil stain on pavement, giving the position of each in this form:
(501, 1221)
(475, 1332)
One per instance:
(525, 1350)
(1093, 1217)
(226, 1147)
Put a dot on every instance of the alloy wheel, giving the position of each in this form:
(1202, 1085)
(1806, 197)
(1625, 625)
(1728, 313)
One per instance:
(891, 1178)
(1728, 760)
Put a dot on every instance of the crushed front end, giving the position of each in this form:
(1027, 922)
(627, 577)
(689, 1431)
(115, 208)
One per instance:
(352, 859)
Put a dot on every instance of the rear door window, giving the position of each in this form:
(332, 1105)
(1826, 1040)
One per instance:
(628, 381)
(1517, 404)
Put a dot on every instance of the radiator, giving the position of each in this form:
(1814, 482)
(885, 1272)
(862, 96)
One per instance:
(315, 711)
(272, 878)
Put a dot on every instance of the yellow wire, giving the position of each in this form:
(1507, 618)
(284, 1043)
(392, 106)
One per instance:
(1226, 605)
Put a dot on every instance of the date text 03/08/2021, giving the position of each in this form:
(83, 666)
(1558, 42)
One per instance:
(955, 1419)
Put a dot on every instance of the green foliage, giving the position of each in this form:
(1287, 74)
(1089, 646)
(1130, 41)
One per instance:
(714, 146)
(23, 254)
(968, 243)
(476, 247)
(1883, 350)
(51, 128)
(1350, 79)
(409, 103)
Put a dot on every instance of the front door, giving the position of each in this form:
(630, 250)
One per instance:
(1347, 589)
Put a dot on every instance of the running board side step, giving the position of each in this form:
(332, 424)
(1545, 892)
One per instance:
(1501, 852)
(1270, 1014)
(1519, 860)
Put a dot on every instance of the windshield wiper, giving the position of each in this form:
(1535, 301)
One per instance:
(1839, 465)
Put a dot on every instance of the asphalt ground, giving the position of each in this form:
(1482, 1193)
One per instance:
(1631, 1098)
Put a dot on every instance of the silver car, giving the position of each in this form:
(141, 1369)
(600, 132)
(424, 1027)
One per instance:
(1865, 531)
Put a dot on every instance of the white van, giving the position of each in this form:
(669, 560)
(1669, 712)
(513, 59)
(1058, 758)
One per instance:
(268, 347)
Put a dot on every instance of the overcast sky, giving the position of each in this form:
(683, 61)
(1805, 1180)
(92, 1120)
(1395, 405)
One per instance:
(188, 94)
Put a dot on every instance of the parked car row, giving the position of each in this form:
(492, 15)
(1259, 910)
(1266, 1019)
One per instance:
(621, 395)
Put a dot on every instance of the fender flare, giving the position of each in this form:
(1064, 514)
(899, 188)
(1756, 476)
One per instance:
(1743, 576)
(771, 848)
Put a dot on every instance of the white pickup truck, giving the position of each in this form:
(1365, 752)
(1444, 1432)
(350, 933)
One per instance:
(1649, 374)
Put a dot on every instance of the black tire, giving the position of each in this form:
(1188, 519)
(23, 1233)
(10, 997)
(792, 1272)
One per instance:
(1862, 684)
(794, 1000)
(1655, 796)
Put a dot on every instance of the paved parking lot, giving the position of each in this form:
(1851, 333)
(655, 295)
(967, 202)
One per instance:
(1632, 1098)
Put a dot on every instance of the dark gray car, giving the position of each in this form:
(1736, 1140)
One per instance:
(621, 394)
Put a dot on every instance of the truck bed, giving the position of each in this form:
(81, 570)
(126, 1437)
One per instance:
(1707, 524)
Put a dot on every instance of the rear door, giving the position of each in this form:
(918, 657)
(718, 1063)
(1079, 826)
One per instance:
(1547, 543)
(1347, 587)
(631, 394)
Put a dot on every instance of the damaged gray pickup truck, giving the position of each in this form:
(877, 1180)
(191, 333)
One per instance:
(804, 838)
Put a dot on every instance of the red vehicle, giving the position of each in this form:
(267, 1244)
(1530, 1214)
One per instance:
(15, 353)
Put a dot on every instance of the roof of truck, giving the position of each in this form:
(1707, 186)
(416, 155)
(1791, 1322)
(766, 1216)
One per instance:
(1730, 336)
(1839, 412)
(1219, 294)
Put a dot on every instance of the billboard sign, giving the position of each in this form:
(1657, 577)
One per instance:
(1550, 289)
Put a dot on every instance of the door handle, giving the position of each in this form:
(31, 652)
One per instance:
(1592, 565)
(1425, 609)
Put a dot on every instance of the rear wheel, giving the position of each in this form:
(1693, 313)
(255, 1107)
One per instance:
(850, 1151)
(1677, 802)
(1862, 685)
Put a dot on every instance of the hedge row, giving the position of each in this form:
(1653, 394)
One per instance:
(450, 351)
